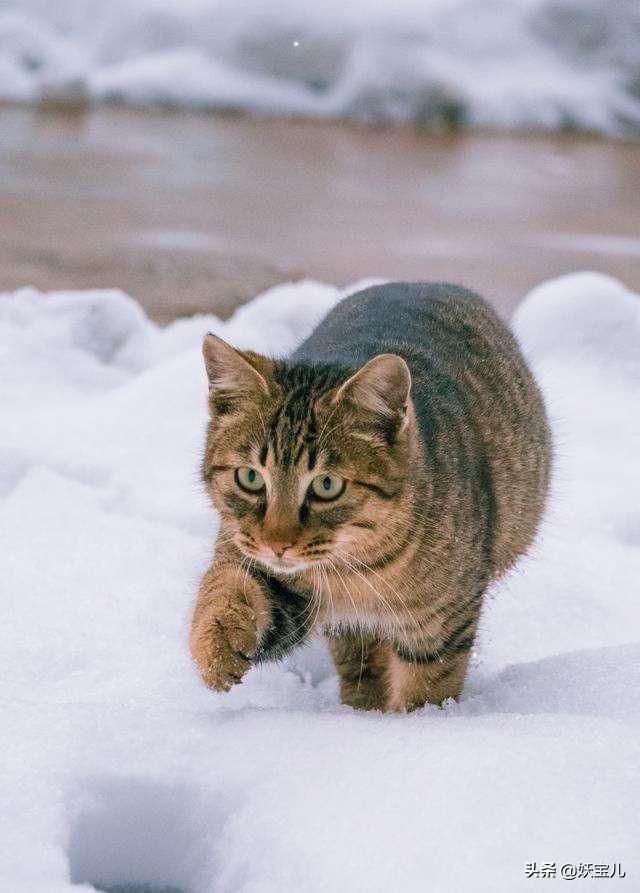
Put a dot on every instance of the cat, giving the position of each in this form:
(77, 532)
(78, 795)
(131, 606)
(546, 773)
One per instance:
(370, 487)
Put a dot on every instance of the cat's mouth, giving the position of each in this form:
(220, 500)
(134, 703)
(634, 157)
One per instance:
(284, 565)
(288, 563)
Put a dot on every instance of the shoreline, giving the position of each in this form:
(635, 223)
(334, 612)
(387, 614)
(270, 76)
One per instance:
(192, 211)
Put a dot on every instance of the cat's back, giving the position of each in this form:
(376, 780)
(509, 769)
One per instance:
(443, 331)
(399, 317)
(472, 389)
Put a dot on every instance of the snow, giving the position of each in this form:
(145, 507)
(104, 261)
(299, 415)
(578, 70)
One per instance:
(553, 64)
(119, 767)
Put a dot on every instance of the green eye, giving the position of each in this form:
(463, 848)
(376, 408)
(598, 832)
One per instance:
(328, 486)
(249, 479)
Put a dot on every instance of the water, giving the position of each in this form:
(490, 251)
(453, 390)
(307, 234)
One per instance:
(194, 213)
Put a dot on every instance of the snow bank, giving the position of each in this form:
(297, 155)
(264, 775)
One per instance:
(118, 767)
(519, 63)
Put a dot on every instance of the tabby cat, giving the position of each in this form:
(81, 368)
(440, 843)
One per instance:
(370, 487)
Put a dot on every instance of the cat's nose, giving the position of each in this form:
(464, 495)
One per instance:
(279, 547)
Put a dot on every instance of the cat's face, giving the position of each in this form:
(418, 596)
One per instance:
(306, 468)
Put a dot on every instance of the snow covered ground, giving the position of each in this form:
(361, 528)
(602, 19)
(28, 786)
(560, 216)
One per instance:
(547, 63)
(118, 766)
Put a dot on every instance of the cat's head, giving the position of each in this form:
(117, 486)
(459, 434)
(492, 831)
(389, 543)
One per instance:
(307, 464)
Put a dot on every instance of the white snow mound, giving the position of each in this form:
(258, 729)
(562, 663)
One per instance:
(554, 64)
(118, 767)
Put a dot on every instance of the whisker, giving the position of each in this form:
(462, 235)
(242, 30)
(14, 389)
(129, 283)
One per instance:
(320, 436)
(417, 624)
(378, 576)
(314, 603)
(384, 601)
(359, 624)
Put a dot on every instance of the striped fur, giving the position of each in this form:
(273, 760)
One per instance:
(445, 486)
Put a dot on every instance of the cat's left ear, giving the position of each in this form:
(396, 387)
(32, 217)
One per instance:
(382, 386)
(239, 373)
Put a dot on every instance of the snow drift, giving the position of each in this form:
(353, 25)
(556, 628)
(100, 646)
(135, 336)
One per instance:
(517, 63)
(119, 767)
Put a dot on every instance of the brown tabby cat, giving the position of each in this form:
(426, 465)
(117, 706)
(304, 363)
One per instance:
(370, 487)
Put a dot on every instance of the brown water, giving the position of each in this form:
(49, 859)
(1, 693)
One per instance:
(194, 212)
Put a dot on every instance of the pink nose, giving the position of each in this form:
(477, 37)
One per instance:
(279, 547)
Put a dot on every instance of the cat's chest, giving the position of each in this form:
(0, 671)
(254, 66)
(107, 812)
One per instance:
(360, 624)
(362, 603)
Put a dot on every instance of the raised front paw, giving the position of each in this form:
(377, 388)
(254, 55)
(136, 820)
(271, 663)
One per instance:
(223, 641)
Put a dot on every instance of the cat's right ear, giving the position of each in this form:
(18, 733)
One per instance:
(381, 386)
(233, 373)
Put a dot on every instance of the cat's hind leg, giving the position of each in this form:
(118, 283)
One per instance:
(362, 665)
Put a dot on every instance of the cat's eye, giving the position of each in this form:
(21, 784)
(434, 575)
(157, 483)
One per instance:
(249, 479)
(328, 486)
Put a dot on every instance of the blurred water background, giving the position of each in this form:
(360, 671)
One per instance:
(196, 152)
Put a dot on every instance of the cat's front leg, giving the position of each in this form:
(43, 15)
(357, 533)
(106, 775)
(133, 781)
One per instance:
(424, 678)
(361, 662)
(232, 614)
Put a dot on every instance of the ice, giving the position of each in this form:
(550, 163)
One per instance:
(118, 767)
(556, 64)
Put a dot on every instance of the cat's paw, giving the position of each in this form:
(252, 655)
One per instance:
(224, 643)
